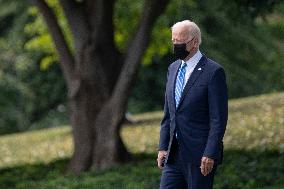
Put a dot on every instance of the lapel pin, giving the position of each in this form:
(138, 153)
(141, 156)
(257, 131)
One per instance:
(199, 68)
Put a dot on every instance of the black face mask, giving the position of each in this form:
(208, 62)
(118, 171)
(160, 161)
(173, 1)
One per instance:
(180, 51)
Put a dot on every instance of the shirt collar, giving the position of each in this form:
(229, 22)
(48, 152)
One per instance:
(194, 59)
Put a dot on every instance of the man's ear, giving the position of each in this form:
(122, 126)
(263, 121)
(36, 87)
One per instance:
(195, 43)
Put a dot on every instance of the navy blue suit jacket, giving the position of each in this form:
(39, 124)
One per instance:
(200, 119)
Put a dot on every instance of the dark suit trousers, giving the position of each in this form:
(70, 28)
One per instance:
(180, 175)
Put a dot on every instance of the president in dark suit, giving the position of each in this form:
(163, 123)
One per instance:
(195, 114)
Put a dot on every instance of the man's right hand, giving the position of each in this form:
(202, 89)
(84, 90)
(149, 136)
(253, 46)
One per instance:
(161, 156)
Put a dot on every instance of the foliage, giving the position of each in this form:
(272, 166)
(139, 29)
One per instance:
(255, 160)
(148, 94)
(246, 37)
(242, 36)
(246, 47)
(27, 93)
(40, 39)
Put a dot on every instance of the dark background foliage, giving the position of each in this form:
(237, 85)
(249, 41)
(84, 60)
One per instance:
(246, 37)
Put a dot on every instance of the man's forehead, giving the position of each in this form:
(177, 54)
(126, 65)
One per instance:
(180, 31)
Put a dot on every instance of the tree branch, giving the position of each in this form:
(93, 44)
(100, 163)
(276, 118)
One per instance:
(91, 22)
(100, 18)
(100, 13)
(151, 11)
(74, 12)
(65, 56)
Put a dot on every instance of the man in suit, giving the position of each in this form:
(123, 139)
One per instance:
(195, 114)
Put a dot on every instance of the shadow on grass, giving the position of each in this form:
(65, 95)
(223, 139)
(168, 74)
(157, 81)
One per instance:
(240, 170)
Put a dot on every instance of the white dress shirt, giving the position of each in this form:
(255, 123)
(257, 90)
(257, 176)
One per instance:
(191, 63)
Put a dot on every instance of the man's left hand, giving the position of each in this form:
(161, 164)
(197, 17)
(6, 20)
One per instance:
(206, 165)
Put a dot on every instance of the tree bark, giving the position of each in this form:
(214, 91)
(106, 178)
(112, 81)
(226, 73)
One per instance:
(99, 78)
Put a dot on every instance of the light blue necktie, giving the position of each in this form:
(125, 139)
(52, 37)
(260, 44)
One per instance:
(180, 83)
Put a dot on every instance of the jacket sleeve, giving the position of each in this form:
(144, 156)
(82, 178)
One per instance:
(218, 113)
(165, 125)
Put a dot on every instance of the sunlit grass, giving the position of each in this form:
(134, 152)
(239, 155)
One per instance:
(35, 146)
(253, 157)
(254, 122)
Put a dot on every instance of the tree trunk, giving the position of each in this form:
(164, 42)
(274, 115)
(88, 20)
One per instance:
(97, 81)
(109, 149)
(97, 141)
(96, 133)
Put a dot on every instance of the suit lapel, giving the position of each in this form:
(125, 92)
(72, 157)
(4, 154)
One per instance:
(193, 77)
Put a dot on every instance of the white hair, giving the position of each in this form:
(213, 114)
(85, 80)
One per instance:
(193, 29)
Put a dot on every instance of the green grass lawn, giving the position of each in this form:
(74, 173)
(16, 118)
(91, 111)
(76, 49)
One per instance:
(253, 158)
